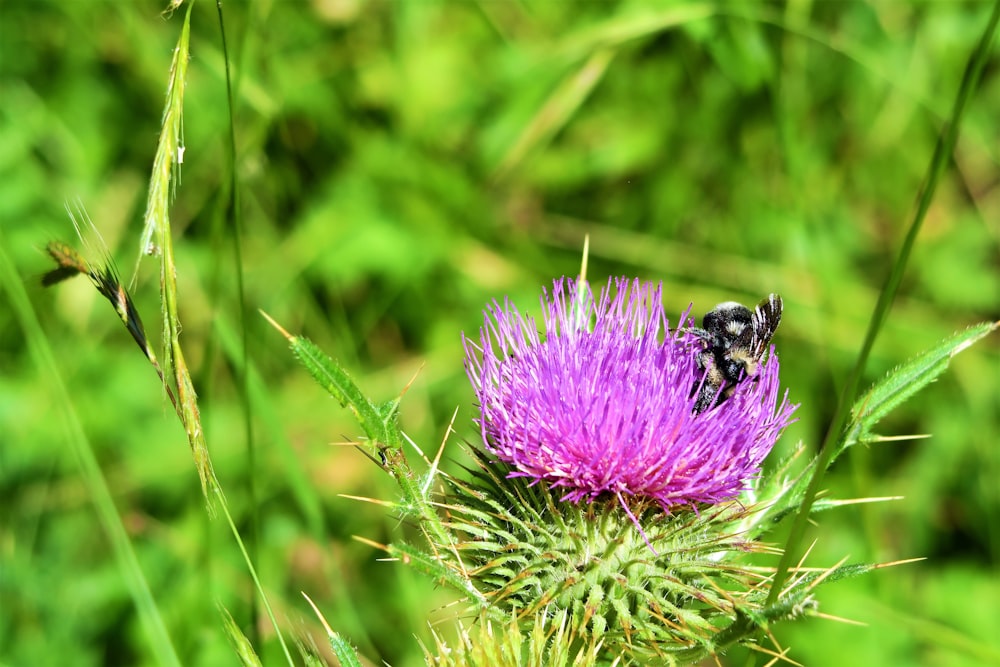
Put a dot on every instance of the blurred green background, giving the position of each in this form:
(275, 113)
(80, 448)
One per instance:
(399, 165)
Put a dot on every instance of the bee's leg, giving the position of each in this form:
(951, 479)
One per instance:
(708, 386)
(706, 397)
(705, 359)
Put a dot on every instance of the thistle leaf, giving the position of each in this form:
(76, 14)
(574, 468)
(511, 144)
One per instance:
(379, 422)
(906, 380)
(345, 653)
(440, 571)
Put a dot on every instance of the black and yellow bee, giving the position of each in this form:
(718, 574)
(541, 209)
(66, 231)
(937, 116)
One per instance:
(736, 342)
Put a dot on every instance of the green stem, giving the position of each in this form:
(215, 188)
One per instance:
(232, 213)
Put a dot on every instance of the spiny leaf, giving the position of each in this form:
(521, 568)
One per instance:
(439, 571)
(379, 422)
(907, 379)
(345, 653)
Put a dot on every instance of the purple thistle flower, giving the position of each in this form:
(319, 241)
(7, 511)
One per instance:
(601, 401)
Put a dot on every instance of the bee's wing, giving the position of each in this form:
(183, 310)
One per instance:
(765, 318)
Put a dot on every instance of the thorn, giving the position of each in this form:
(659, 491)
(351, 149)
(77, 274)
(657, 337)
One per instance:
(413, 379)
(432, 473)
(379, 463)
(798, 569)
(373, 501)
(371, 543)
(415, 446)
(905, 561)
(781, 657)
(860, 501)
(281, 330)
(896, 438)
(806, 554)
(839, 619)
(319, 615)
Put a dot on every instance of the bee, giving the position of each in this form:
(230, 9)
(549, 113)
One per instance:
(735, 345)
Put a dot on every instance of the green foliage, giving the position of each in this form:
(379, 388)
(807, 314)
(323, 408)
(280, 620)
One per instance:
(729, 156)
